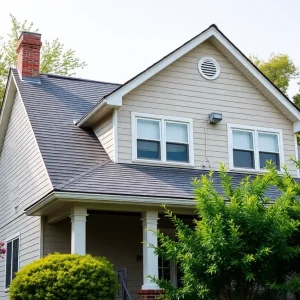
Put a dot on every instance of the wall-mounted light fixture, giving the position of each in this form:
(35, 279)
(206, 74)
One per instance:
(214, 118)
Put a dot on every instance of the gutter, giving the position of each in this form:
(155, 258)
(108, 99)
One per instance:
(92, 112)
(107, 199)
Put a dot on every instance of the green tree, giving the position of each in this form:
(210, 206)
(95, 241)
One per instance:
(296, 99)
(54, 58)
(279, 68)
(241, 240)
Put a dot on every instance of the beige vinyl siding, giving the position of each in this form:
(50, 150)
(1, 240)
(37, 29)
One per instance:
(180, 91)
(105, 133)
(23, 180)
(119, 238)
(57, 237)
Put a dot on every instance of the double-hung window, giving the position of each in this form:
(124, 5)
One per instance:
(253, 147)
(12, 259)
(148, 139)
(162, 139)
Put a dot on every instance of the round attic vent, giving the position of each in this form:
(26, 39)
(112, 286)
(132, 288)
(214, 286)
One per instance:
(209, 68)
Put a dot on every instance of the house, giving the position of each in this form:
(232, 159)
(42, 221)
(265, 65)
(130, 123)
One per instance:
(85, 165)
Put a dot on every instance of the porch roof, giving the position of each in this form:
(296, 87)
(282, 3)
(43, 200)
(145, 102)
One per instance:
(147, 181)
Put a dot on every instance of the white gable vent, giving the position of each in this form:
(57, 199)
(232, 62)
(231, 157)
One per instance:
(209, 68)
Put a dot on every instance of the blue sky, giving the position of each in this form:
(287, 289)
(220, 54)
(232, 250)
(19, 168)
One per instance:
(119, 38)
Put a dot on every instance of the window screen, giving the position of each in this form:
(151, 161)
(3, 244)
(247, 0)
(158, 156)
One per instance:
(268, 149)
(177, 142)
(148, 139)
(243, 150)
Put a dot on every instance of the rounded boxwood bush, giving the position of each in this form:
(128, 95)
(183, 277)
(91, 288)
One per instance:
(65, 277)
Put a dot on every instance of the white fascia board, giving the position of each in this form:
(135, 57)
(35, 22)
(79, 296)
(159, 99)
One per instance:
(108, 199)
(7, 103)
(257, 74)
(113, 102)
(162, 64)
(296, 126)
(116, 97)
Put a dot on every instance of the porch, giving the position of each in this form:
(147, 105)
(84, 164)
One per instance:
(117, 235)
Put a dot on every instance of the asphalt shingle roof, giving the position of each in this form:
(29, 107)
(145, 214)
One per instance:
(139, 180)
(74, 157)
(52, 106)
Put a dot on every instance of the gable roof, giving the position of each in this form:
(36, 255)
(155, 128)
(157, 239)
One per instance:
(220, 41)
(52, 106)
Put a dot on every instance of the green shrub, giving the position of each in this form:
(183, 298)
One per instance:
(65, 277)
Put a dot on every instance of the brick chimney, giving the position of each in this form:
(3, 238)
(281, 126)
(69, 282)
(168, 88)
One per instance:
(28, 49)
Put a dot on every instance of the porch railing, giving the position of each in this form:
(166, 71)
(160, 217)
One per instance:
(123, 293)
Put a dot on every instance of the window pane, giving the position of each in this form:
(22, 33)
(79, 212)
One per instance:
(15, 258)
(177, 132)
(242, 139)
(268, 142)
(264, 157)
(8, 264)
(243, 159)
(176, 152)
(148, 149)
(148, 129)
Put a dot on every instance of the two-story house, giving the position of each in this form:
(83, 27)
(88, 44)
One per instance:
(85, 165)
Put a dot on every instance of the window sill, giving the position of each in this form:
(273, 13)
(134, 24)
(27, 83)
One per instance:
(251, 171)
(165, 164)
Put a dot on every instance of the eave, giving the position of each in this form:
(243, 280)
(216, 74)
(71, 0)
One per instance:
(7, 105)
(45, 206)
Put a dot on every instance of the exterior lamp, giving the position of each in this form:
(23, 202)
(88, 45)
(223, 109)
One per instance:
(214, 118)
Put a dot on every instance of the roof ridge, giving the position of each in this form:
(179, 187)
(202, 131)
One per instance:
(81, 175)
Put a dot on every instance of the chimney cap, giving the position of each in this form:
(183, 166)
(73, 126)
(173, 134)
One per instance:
(29, 33)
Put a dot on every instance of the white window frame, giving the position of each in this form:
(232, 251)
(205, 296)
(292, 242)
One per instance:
(11, 239)
(163, 157)
(255, 130)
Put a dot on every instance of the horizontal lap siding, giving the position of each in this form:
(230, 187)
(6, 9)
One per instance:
(57, 237)
(23, 180)
(179, 90)
(105, 134)
(119, 238)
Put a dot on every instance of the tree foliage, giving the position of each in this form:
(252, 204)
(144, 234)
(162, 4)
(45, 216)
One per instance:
(54, 58)
(241, 241)
(279, 68)
(65, 277)
(296, 99)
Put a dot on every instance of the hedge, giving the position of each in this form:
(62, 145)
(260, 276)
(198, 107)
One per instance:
(65, 277)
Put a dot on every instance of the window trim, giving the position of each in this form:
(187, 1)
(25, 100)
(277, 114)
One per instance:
(256, 130)
(163, 120)
(11, 239)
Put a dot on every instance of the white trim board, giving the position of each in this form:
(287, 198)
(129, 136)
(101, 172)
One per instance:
(254, 129)
(115, 98)
(7, 106)
(108, 199)
(162, 120)
(7, 240)
(115, 134)
(296, 153)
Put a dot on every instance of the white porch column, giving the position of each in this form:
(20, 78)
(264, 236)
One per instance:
(78, 237)
(150, 260)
